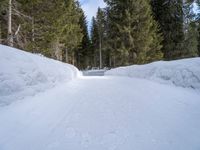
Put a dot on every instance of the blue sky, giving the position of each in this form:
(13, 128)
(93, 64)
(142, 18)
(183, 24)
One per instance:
(90, 8)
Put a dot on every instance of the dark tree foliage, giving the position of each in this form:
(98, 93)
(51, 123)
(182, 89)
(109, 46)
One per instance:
(169, 14)
(83, 54)
(46, 26)
(134, 33)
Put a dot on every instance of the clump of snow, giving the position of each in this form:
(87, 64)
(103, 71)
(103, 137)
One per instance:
(24, 74)
(184, 73)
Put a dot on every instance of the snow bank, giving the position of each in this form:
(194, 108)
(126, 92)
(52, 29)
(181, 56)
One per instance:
(24, 74)
(184, 73)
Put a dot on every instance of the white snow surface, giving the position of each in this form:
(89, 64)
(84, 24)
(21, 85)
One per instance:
(24, 74)
(93, 112)
(184, 73)
(104, 113)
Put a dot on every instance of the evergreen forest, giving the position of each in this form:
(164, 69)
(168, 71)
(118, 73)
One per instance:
(125, 32)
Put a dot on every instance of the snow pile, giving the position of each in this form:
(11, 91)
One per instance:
(24, 74)
(184, 73)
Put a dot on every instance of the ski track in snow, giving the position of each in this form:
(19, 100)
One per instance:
(104, 113)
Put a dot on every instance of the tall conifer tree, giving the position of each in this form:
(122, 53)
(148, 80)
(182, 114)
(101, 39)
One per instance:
(95, 42)
(169, 15)
(135, 31)
(83, 54)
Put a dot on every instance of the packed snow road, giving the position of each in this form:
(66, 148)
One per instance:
(104, 113)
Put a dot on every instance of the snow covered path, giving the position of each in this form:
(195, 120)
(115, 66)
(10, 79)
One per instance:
(104, 113)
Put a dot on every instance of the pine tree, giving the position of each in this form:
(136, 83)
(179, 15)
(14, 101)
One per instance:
(101, 26)
(94, 41)
(56, 28)
(198, 18)
(107, 51)
(191, 41)
(112, 36)
(83, 54)
(198, 38)
(52, 28)
(191, 33)
(3, 8)
(25, 19)
(169, 15)
(71, 32)
(10, 21)
(135, 31)
(115, 17)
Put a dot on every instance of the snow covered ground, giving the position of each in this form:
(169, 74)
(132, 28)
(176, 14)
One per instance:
(94, 72)
(97, 113)
(104, 113)
(184, 73)
(23, 74)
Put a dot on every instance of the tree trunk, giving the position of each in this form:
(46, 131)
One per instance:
(57, 50)
(0, 34)
(66, 56)
(100, 53)
(10, 36)
(73, 58)
(33, 29)
(110, 60)
(114, 62)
